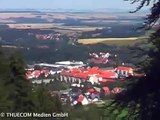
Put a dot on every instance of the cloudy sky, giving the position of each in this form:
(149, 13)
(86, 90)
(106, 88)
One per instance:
(66, 4)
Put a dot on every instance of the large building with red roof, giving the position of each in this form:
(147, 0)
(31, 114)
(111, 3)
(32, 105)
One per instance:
(94, 75)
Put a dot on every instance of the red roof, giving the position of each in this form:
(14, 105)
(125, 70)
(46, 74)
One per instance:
(124, 68)
(103, 81)
(82, 69)
(65, 73)
(80, 98)
(106, 90)
(85, 73)
(91, 90)
(81, 75)
(46, 72)
(75, 70)
(37, 73)
(107, 74)
(93, 70)
(107, 80)
(117, 90)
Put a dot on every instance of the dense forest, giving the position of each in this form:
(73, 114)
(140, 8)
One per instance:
(18, 94)
(34, 50)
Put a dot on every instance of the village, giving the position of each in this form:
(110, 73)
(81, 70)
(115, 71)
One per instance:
(87, 83)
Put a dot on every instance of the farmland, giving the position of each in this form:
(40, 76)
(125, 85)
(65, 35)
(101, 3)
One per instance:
(111, 41)
(86, 27)
(85, 24)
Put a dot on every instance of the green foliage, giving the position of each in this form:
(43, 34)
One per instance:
(120, 83)
(113, 111)
(3, 91)
(18, 88)
(142, 99)
(45, 102)
(18, 95)
(90, 112)
(57, 85)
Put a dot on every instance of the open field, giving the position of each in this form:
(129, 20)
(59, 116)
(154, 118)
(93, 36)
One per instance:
(110, 41)
(32, 26)
(16, 15)
(85, 28)
(86, 17)
(57, 27)
(73, 29)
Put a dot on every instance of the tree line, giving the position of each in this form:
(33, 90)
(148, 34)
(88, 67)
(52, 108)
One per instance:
(18, 95)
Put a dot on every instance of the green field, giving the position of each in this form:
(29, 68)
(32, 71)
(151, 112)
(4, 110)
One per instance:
(111, 41)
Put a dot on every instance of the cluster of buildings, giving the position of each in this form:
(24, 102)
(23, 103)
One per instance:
(78, 72)
(81, 93)
(73, 37)
(34, 74)
(100, 58)
(78, 75)
(37, 71)
(55, 36)
(95, 75)
(93, 95)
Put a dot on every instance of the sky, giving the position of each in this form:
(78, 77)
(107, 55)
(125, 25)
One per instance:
(66, 4)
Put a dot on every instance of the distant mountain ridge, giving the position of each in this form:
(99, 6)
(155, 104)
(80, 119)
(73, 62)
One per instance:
(107, 10)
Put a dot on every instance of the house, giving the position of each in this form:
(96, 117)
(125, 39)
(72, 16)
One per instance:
(125, 71)
(91, 90)
(116, 90)
(36, 73)
(31, 74)
(105, 90)
(40, 81)
(83, 100)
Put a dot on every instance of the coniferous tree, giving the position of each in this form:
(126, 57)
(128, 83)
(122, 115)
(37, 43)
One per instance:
(4, 105)
(19, 90)
(45, 102)
(18, 95)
